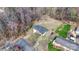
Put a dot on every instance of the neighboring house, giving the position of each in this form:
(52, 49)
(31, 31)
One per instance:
(77, 31)
(39, 29)
(72, 36)
(24, 45)
(7, 47)
(66, 44)
(77, 35)
(19, 45)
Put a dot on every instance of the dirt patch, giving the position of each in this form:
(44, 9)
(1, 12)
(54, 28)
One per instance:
(49, 23)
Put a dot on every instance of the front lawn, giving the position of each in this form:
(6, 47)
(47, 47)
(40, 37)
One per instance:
(63, 30)
(51, 48)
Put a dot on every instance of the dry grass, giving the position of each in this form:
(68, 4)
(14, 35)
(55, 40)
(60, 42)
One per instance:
(49, 23)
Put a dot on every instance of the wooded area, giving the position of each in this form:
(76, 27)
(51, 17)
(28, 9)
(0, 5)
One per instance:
(16, 20)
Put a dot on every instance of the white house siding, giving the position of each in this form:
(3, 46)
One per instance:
(73, 38)
(34, 31)
(44, 34)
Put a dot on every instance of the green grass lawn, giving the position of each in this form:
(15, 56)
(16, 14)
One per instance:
(51, 48)
(63, 30)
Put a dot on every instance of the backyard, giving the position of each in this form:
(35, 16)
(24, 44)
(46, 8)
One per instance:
(63, 30)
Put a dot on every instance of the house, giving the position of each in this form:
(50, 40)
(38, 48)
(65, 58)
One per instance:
(23, 44)
(77, 34)
(39, 29)
(19, 45)
(72, 36)
(66, 44)
(77, 31)
(8, 46)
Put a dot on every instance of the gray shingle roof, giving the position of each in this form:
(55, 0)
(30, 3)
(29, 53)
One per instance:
(40, 28)
(67, 43)
(23, 43)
